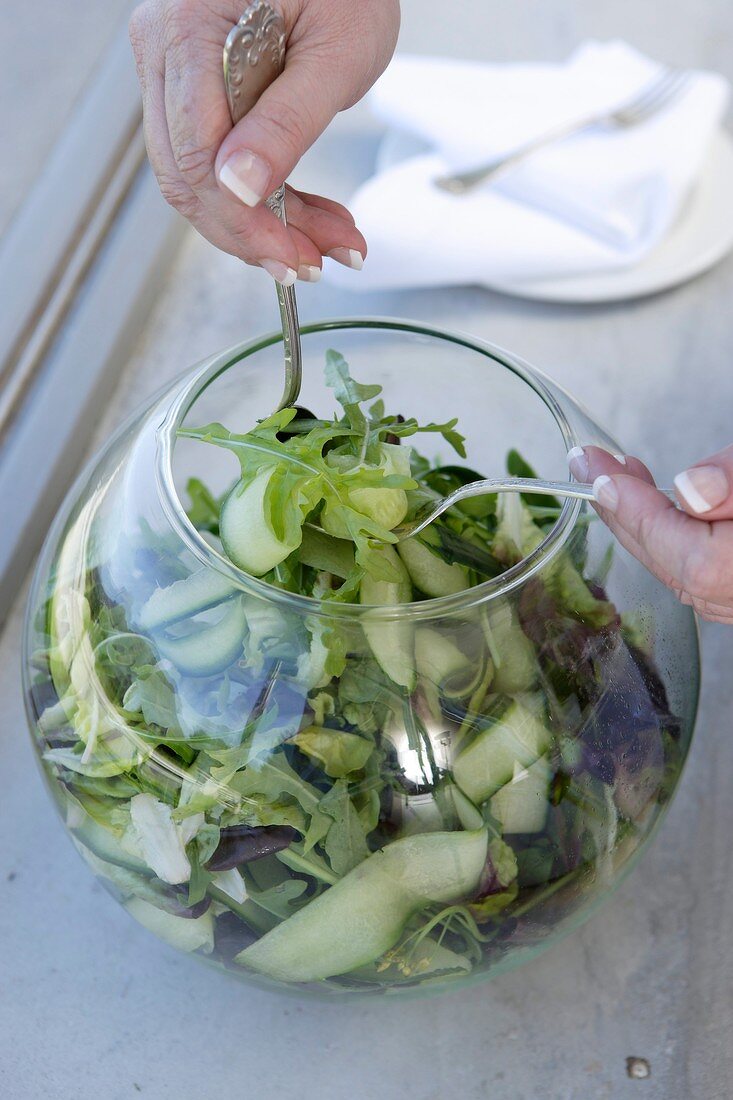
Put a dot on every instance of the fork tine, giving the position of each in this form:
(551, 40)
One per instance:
(648, 93)
(654, 96)
(664, 93)
(671, 93)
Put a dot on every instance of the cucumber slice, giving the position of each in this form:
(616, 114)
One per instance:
(513, 654)
(386, 506)
(211, 649)
(245, 532)
(184, 598)
(392, 643)
(468, 815)
(517, 739)
(363, 915)
(436, 868)
(442, 663)
(106, 845)
(521, 805)
(185, 933)
(429, 572)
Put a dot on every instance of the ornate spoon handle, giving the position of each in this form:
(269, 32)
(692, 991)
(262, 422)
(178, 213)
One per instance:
(254, 56)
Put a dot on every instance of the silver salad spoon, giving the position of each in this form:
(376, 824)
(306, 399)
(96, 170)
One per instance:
(434, 508)
(254, 56)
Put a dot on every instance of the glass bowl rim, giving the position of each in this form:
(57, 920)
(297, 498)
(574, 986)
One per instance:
(199, 379)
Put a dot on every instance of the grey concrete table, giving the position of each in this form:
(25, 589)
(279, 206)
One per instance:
(92, 1008)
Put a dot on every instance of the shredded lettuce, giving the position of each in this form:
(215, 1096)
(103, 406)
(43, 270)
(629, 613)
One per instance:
(161, 841)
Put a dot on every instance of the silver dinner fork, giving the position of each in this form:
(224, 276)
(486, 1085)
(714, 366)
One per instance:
(652, 99)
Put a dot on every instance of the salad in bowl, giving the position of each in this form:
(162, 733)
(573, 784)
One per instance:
(325, 759)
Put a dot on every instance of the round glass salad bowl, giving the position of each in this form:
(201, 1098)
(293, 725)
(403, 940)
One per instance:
(355, 797)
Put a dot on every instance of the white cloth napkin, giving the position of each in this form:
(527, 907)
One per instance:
(595, 202)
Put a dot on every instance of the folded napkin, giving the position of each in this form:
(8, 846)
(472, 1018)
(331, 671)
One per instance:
(595, 202)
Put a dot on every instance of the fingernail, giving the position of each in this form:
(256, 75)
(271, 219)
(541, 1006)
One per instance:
(246, 175)
(349, 257)
(621, 459)
(578, 463)
(703, 487)
(309, 273)
(280, 272)
(606, 493)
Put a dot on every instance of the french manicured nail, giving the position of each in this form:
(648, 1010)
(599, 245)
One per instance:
(578, 463)
(606, 493)
(703, 487)
(280, 272)
(247, 176)
(309, 273)
(349, 257)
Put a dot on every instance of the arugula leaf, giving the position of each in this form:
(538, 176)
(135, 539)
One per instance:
(376, 412)
(348, 392)
(447, 430)
(345, 842)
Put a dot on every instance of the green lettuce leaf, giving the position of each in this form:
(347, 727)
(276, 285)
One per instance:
(339, 753)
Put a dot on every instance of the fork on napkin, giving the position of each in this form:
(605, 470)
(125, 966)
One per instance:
(597, 201)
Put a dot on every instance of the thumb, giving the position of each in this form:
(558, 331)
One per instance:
(260, 152)
(706, 489)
